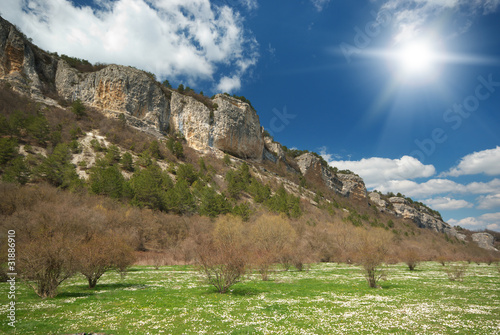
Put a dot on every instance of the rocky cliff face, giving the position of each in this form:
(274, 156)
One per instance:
(421, 216)
(27, 68)
(118, 89)
(348, 185)
(233, 127)
(484, 240)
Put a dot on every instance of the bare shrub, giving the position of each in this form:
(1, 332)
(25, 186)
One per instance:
(222, 258)
(371, 254)
(456, 271)
(100, 253)
(411, 256)
(272, 238)
(45, 262)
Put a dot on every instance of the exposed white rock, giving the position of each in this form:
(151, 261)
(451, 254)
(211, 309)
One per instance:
(484, 240)
(349, 185)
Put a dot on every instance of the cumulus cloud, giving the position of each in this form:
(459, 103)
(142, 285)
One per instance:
(378, 171)
(190, 39)
(489, 201)
(428, 188)
(320, 4)
(486, 221)
(412, 17)
(438, 186)
(486, 161)
(445, 203)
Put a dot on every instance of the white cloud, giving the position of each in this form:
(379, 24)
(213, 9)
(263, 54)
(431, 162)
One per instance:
(412, 17)
(486, 161)
(492, 186)
(485, 221)
(428, 188)
(378, 171)
(320, 4)
(445, 203)
(192, 39)
(489, 201)
(228, 84)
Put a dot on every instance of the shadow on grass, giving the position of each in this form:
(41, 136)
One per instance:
(235, 291)
(113, 286)
(65, 295)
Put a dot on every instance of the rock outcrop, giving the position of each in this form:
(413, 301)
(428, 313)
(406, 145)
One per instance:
(273, 151)
(484, 240)
(232, 127)
(118, 89)
(348, 185)
(422, 217)
(28, 69)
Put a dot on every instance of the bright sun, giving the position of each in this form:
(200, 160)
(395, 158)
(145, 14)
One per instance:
(416, 60)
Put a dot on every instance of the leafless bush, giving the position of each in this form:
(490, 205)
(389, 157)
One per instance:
(272, 238)
(100, 253)
(456, 271)
(371, 254)
(222, 258)
(411, 257)
(45, 262)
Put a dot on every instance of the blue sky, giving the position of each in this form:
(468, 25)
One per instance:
(405, 93)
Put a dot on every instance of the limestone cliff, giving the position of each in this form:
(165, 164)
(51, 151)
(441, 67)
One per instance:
(28, 69)
(116, 88)
(348, 185)
(233, 127)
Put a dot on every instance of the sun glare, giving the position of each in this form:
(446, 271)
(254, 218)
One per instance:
(416, 58)
(416, 62)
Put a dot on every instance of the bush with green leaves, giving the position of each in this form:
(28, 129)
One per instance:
(154, 150)
(113, 155)
(238, 181)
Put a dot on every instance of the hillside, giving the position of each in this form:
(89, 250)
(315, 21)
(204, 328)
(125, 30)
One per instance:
(110, 141)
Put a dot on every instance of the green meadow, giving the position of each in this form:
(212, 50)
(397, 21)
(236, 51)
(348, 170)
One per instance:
(326, 299)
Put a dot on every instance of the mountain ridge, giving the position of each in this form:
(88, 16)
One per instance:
(222, 122)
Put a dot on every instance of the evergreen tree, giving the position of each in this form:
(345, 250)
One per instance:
(57, 168)
(8, 149)
(148, 187)
(154, 150)
(212, 204)
(78, 108)
(179, 199)
(127, 162)
(38, 128)
(113, 155)
(187, 173)
(17, 171)
(106, 180)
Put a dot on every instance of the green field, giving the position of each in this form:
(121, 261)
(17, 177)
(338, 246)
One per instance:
(327, 299)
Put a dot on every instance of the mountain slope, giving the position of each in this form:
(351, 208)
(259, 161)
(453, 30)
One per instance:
(217, 125)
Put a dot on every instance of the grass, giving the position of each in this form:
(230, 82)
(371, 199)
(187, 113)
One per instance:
(328, 299)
